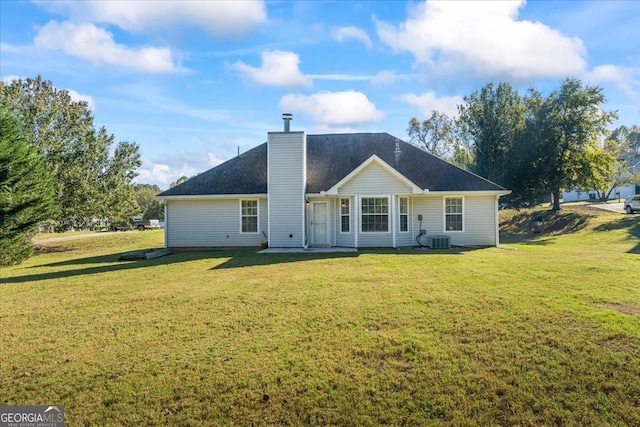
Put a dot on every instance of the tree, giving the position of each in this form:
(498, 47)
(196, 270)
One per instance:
(26, 190)
(619, 145)
(626, 139)
(435, 134)
(89, 182)
(492, 119)
(178, 181)
(526, 160)
(150, 206)
(574, 124)
(598, 167)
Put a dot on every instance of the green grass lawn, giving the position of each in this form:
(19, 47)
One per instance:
(546, 334)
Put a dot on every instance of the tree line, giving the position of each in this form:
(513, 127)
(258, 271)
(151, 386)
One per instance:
(56, 166)
(532, 144)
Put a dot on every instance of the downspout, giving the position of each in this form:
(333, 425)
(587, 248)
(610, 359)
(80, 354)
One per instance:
(356, 222)
(307, 230)
(393, 221)
(166, 224)
(497, 220)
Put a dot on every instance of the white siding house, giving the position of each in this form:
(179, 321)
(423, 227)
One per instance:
(349, 190)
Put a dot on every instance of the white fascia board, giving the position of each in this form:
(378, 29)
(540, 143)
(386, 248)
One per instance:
(469, 193)
(214, 196)
(334, 190)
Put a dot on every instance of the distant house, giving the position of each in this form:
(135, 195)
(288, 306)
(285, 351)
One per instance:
(347, 190)
(624, 190)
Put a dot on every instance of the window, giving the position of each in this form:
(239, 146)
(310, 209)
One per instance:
(375, 214)
(404, 214)
(453, 214)
(345, 216)
(249, 216)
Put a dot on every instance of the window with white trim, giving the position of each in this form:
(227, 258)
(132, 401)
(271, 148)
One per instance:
(375, 214)
(249, 216)
(403, 205)
(345, 215)
(453, 214)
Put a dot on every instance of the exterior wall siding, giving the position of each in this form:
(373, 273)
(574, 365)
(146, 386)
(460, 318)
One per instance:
(211, 223)
(432, 215)
(479, 216)
(374, 179)
(286, 159)
(479, 219)
(345, 239)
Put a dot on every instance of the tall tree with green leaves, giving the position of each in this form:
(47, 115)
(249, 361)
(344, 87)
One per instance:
(492, 119)
(525, 161)
(574, 124)
(26, 190)
(90, 182)
(178, 181)
(150, 206)
(620, 144)
(435, 134)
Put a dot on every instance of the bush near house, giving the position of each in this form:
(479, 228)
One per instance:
(547, 334)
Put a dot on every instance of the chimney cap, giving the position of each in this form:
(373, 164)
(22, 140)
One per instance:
(287, 116)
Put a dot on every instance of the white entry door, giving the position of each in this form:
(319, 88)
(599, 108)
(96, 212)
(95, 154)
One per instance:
(319, 226)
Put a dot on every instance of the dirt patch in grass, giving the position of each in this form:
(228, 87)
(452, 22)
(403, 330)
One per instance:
(619, 345)
(629, 308)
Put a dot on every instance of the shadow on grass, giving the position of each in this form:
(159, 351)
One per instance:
(520, 226)
(110, 262)
(631, 223)
(533, 242)
(249, 258)
(237, 258)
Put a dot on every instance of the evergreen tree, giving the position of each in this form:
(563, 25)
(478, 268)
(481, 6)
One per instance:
(493, 119)
(90, 182)
(26, 191)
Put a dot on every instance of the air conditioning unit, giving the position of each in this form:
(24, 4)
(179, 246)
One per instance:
(439, 242)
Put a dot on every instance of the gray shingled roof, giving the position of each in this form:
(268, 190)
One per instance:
(329, 159)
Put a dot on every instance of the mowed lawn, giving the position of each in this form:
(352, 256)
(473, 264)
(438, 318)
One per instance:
(544, 333)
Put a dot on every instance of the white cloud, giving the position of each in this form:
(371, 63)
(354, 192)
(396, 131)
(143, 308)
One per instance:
(386, 77)
(158, 174)
(76, 96)
(86, 41)
(340, 77)
(429, 101)
(219, 18)
(333, 108)
(486, 37)
(278, 69)
(627, 79)
(10, 78)
(168, 169)
(351, 33)
(4, 47)
(214, 160)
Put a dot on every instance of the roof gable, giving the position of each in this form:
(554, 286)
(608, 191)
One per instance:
(370, 161)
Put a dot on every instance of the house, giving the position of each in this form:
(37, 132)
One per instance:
(346, 190)
(625, 187)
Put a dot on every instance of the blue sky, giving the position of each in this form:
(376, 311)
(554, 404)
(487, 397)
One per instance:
(191, 82)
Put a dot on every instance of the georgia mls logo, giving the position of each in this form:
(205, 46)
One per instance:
(52, 408)
(31, 416)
